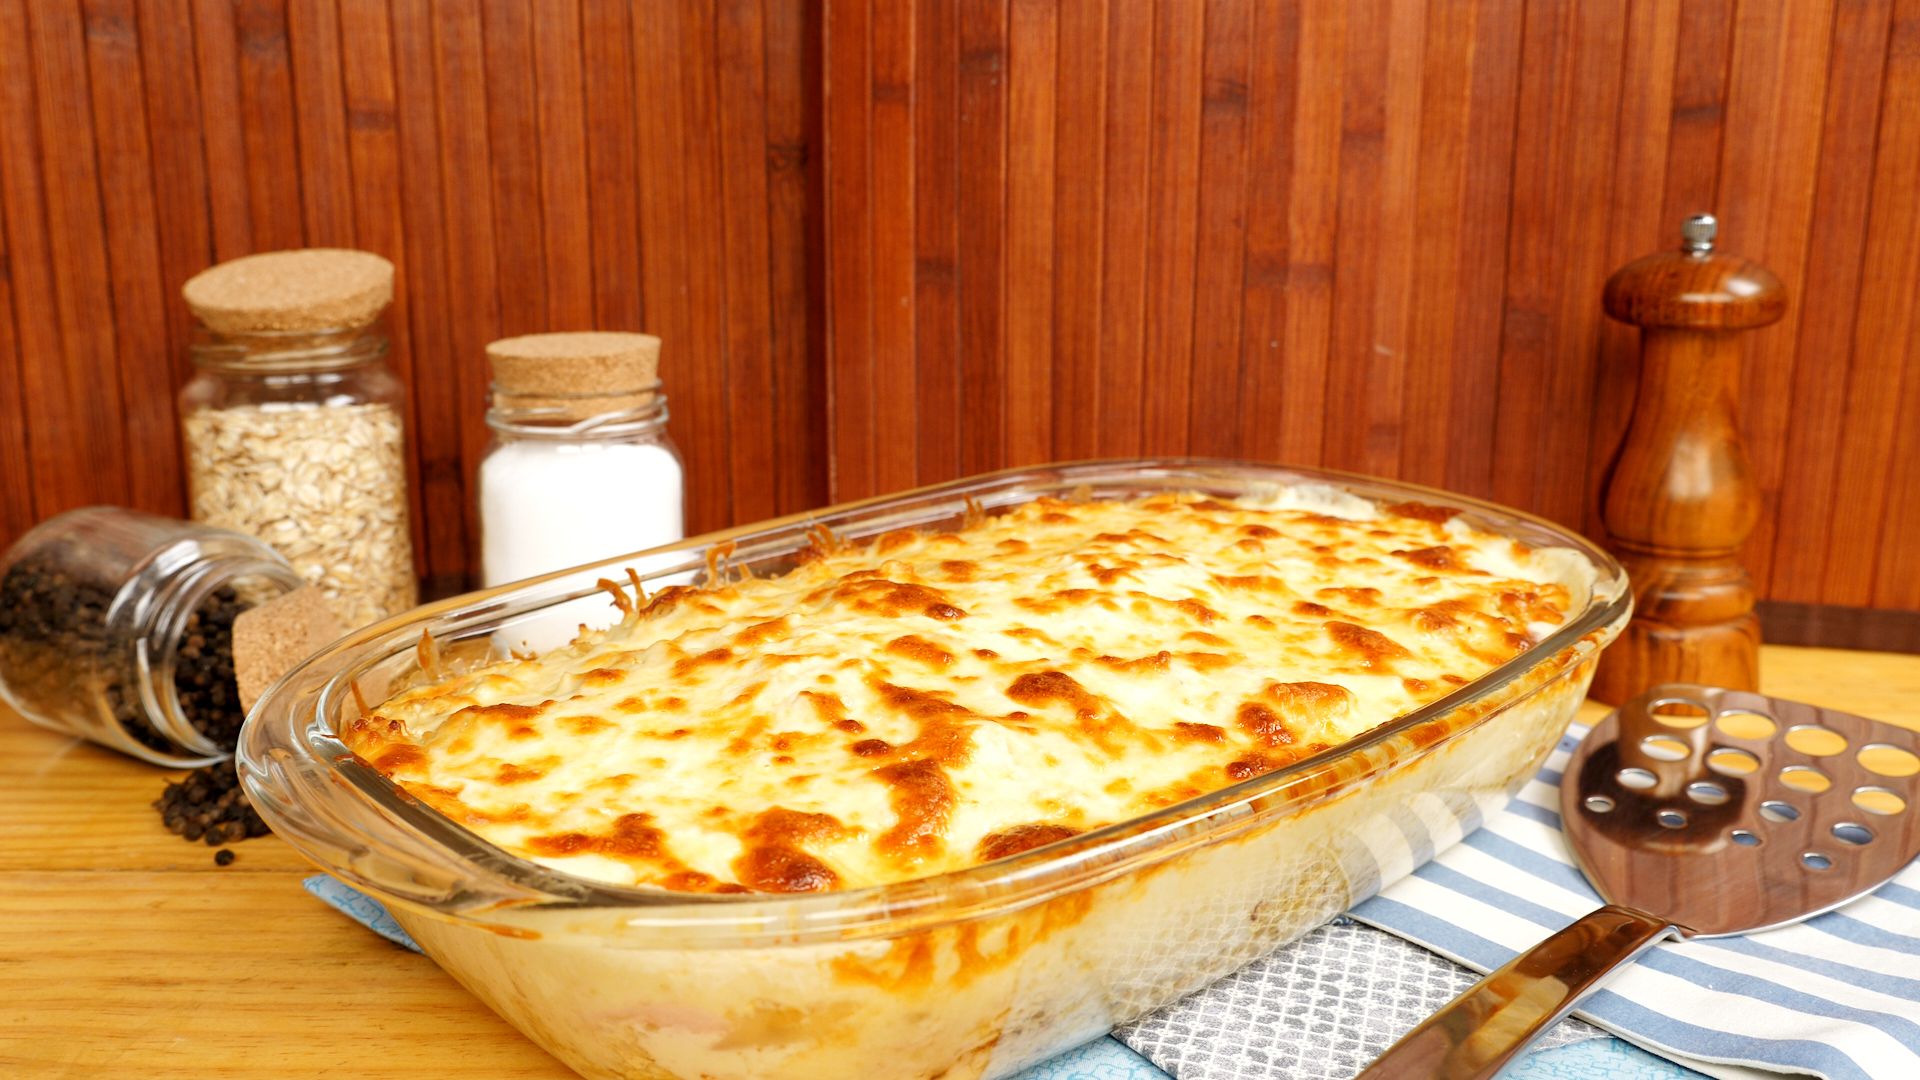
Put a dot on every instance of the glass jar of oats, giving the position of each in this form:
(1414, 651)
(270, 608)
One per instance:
(293, 421)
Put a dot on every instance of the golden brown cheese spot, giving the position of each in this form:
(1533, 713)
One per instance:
(957, 569)
(1246, 768)
(1143, 665)
(585, 725)
(1262, 723)
(1259, 532)
(1019, 838)
(1439, 557)
(922, 800)
(1420, 511)
(894, 599)
(633, 836)
(1444, 615)
(603, 676)
(504, 711)
(1198, 611)
(403, 756)
(711, 658)
(1204, 638)
(1373, 649)
(1206, 661)
(1040, 688)
(1205, 733)
(1357, 596)
(780, 869)
(510, 773)
(894, 541)
(919, 649)
(871, 748)
(762, 632)
(1311, 610)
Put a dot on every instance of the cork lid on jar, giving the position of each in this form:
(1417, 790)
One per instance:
(575, 375)
(305, 289)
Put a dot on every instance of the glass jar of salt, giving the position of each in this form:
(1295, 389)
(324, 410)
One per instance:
(580, 469)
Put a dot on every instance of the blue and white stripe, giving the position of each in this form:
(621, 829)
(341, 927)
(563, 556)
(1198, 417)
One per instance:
(1837, 996)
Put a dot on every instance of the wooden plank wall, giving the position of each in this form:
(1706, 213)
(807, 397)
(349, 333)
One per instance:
(893, 242)
(528, 165)
(1372, 235)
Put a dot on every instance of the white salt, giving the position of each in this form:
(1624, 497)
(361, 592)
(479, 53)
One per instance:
(547, 506)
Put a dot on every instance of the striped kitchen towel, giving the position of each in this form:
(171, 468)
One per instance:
(1836, 996)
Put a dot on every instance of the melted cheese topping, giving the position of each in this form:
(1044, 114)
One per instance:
(926, 701)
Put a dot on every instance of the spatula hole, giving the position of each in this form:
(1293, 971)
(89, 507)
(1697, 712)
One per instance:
(1805, 778)
(1675, 713)
(1816, 741)
(1848, 832)
(1813, 860)
(1878, 800)
(1671, 819)
(1745, 838)
(1883, 760)
(1599, 804)
(1727, 761)
(1665, 748)
(1779, 812)
(1742, 724)
(1706, 793)
(1637, 779)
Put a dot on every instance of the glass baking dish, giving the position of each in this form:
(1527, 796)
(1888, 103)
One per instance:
(975, 973)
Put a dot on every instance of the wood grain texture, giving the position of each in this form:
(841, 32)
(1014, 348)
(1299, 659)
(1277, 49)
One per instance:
(129, 953)
(528, 165)
(1374, 235)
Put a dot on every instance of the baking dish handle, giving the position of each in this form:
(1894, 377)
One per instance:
(1483, 1029)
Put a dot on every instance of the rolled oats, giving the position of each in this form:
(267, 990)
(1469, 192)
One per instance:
(326, 485)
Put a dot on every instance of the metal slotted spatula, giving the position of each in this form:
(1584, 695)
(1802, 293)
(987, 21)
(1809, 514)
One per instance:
(1695, 812)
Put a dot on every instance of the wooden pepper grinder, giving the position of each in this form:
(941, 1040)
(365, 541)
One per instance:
(1679, 501)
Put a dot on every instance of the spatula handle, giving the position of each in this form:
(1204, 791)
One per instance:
(1499, 1016)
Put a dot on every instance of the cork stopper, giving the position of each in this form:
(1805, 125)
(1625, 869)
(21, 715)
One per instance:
(575, 375)
(268, 640)
(307, 289)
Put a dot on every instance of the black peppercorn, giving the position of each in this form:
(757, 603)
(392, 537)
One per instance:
(208, 804)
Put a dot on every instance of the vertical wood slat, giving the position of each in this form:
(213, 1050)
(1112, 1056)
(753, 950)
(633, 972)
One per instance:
(1804, 514)
(1079, 150)
(796, 245)
(1121, 382)
(890, 184)
(1221, 225)
(983, 106)
(72, 371)
(747, 263)
(936, 239)
(127, 211)
(1033, 28)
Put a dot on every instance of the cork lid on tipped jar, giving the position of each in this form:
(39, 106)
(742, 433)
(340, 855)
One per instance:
(575, 375)
(281, 291)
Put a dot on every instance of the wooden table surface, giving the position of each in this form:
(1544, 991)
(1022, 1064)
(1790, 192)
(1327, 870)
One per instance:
(124, 951)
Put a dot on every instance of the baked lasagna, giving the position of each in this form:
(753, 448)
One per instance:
(923, 701)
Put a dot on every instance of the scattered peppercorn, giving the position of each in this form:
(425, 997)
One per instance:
(223, 857)
(209, 805)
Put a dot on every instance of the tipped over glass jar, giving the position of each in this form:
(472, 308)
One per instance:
(117, 626)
